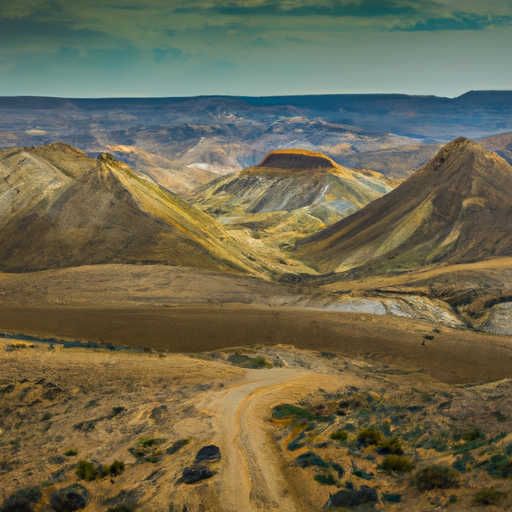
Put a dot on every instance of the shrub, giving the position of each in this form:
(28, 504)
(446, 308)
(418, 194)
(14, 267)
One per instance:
(437, 477)
(71, 452)
(69, 499)
(473, 434)
(339, 435)
(86, 471)
(338, 469)
(147, 442)
(177, 446)
(397, 464)
(500, 466)
(22, 501)
(102, 471)
(369, 436)
(309, 459)
(116, 468)
(325, 479)
(391, 446)
(436, 443)
(489, 496)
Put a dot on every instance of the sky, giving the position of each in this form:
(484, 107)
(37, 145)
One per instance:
(162, 48)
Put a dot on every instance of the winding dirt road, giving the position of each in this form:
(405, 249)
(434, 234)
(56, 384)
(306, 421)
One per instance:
(251, 476)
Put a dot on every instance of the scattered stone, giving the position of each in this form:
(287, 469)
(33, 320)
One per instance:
(352, 499)
(194, 474)
(69, 499)
(210, 453)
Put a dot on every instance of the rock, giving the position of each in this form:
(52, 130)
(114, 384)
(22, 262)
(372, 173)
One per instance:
(69, 498)
(8, 389)
(208, 453)
(351, 498)
(158, 412)
(194, 474)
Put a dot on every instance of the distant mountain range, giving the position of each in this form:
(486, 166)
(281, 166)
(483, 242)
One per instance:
(185, 142)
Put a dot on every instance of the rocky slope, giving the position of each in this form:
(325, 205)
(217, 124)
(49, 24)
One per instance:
(455, 209)
(501, 144)
(291, 193)
(60, 208)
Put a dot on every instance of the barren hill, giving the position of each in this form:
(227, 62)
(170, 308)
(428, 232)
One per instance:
(291, 193)
(60, 208)
(455, 209)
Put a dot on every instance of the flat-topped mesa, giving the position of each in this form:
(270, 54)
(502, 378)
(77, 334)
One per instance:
(296, 160)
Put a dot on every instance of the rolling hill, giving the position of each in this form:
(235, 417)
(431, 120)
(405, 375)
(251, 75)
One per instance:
(455, 209)
(60, 208)
(291, 193)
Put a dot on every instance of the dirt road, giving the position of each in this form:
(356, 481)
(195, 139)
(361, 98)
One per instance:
(252, 478)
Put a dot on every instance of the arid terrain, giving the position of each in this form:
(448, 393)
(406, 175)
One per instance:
(274, 426)
(256, 304)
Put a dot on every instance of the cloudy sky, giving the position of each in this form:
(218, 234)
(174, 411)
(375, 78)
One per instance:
(100, 48)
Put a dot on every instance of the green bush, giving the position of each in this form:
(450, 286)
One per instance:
(89, 472)
(102, 471)
(391, 446)
(437, 477)
(86, 471)
(116, 468)
(339, 435)
(327, 479)
(489, 496)
(473, 434)
(71, 452)
(147, 442)
(369, 436)
(397, 464)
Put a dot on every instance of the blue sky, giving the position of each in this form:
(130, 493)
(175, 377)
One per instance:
(105, 48)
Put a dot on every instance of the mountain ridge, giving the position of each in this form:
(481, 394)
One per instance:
(92, 211)
(453, 209)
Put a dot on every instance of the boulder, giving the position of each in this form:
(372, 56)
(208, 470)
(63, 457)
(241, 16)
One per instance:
(208, 453)
(194, 474)
(351, 498)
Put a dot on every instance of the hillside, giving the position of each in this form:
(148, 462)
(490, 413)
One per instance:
(455, 209)
(291, 193)
(60, 208)
(501, 144)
